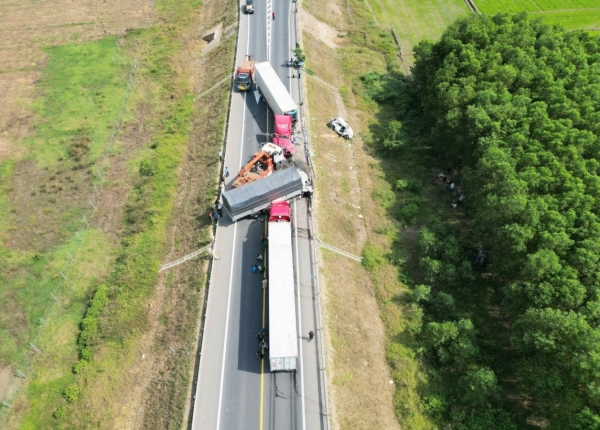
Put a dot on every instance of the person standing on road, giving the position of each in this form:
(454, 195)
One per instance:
(221, 156)
(260, 355)
(260, 257)
(211, 215)
(226, 172)
(311, 335)
(262, 334)
(273, 15)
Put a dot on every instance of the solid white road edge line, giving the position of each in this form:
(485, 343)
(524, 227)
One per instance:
(299, 320)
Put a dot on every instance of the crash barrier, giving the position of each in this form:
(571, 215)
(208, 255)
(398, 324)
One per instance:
(185, 258)
(338, 251)
(305, 133)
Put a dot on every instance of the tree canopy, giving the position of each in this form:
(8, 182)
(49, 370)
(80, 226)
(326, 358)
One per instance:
(515, 103)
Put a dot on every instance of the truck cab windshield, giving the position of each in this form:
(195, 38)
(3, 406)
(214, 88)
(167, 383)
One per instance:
(243, 78)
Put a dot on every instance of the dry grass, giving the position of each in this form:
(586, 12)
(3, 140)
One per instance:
(27, 27)
(366, 321)
(362, 396)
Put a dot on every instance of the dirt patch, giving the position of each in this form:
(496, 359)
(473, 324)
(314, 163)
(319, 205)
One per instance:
(40, 201)
(5, 379)
(109, 213)
(333, 13)
(362, 395)
(4, 147)
(319, 30)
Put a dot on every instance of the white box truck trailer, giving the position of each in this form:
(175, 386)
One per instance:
(283, 332)
(278, 98)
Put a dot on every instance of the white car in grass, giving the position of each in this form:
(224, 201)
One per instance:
(341, 127)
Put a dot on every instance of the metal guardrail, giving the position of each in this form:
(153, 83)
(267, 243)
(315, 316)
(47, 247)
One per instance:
(185, 258)
(338, 250)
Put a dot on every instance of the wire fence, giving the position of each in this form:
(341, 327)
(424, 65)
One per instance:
(80, 237)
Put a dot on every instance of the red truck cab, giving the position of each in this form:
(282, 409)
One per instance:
(282, 135)
(280, 211)
(283, 126)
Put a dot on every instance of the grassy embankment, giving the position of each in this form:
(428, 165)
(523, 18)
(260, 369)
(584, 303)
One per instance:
(357, 204)
(43, 200)
(79, 102)
(571, 14)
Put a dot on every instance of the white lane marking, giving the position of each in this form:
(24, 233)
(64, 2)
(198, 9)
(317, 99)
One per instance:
(289, 50)
(232, 256)
(299, 320)
(269, 27)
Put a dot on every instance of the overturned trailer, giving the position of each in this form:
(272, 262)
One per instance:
(257, 196)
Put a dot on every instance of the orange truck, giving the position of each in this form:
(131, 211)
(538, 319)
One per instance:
(262, 164)
(244, 75)
(258, 167)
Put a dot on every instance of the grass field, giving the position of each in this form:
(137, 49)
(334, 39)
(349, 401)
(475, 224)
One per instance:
(43, 203)
(571, 14)
(79, 96)
(417, 20)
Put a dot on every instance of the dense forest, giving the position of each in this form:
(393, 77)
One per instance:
(512, 106)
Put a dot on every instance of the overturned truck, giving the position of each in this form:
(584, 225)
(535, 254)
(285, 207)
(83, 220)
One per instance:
(251, 199)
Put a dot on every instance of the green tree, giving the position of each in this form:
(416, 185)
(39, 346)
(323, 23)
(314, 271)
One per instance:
(515, 102)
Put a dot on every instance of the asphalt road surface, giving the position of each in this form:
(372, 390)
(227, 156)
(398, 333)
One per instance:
(235, 390)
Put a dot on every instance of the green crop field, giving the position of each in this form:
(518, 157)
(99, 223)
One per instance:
(571, 14)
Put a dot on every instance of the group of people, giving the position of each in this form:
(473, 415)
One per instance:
(216, 212)
(262, 339)
(450, 185)
(262, 345)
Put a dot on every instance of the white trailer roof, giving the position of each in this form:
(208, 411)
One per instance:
(283, 335)
(267, 77)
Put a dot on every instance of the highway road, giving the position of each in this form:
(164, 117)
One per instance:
(235, 390)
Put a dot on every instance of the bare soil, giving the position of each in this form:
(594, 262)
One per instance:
(319, 30)
(5, 378)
